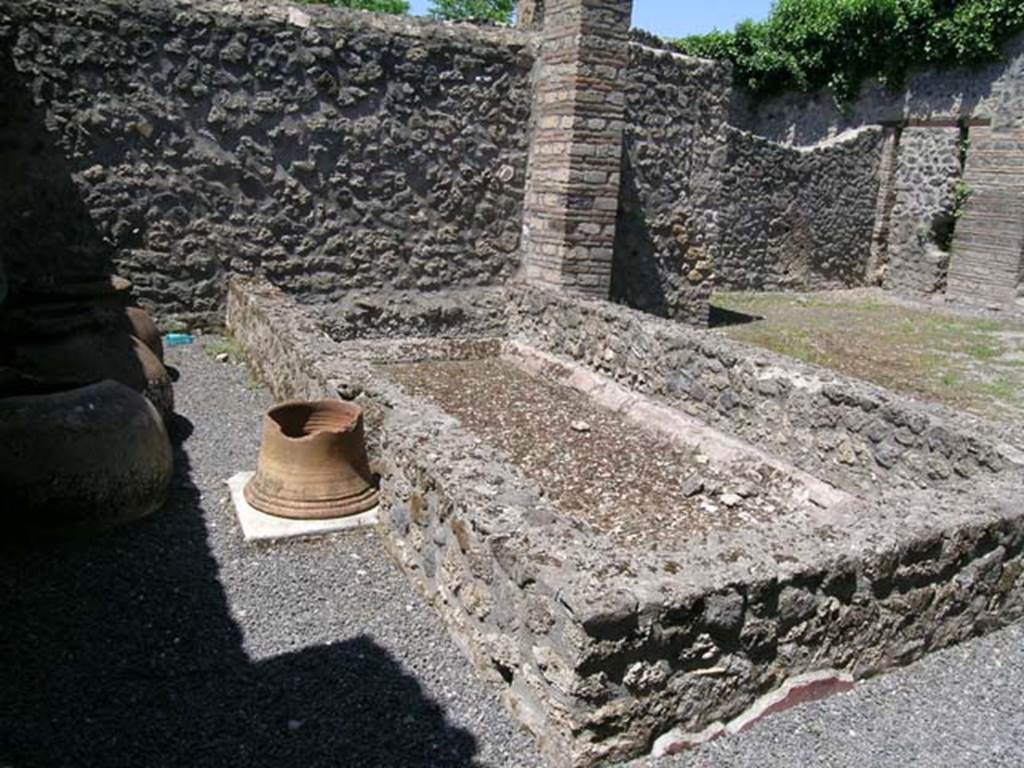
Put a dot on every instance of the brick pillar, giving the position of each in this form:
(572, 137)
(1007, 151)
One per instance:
(530, 13)
(572, 192)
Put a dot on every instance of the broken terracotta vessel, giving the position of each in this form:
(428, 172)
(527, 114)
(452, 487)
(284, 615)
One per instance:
(313, 463)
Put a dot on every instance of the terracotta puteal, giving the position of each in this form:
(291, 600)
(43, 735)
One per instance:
(313, 463)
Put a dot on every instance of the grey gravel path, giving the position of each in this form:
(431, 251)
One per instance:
(172, 643)
(959, 708)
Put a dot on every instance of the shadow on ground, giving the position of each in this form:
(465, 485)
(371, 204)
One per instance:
(119, 650)
(721, 317)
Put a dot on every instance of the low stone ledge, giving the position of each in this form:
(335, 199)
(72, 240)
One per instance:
(850, 432)
(466, 314)
(283, 346)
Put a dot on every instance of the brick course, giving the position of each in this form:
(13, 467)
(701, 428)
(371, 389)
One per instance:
(572, 195)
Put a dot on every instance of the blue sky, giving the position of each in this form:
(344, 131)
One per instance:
(676, 18)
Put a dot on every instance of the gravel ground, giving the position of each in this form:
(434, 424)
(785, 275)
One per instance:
(959, 708)
(172, 643)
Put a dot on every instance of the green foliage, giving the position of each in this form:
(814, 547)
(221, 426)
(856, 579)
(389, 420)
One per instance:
(381, 6)
(463, 10)
(961, 194)
(807, 44)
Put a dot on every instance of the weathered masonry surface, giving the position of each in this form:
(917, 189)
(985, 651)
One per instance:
(989, 241)
(334, 152)
(351, 191)
(669, 234)
(605, 654)
(950, 179)
(368, 159)
(572, 195)
(797, 218)
(530, 13)
(922, 209)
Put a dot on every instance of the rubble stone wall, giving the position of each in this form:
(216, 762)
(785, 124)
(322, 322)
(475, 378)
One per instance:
(932, 111)
(333, 151)
(848, 432)
(922, 216)
(352, 157)
(991, 93)
(668, 235)
(797, 218)
(47, 233)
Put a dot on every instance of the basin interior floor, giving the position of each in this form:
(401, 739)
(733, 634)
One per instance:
(173, 643)
(641, 488)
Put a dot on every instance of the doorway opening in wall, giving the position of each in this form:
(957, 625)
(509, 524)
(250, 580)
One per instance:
(943, 225)
(1020, 279)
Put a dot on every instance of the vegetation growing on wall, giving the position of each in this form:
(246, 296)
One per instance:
(807, 44)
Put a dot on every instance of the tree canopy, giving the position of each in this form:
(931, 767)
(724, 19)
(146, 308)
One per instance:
(807, 44)
(463, 10)
(381, 6)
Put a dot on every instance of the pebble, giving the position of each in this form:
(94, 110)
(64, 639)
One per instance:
(731, 499)
(580, 426)
(746, 490)
(693, 485)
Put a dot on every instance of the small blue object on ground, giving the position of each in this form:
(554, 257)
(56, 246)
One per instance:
(178, 339)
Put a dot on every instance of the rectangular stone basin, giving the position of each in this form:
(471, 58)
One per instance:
(647, 481)
(638, 531)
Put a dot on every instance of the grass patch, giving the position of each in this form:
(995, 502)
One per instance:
(964, 362)
(224, 345)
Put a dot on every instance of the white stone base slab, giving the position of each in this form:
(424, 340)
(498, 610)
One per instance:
(258, 526)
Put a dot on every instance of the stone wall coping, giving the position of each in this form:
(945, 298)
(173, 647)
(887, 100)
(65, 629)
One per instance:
(842, 139)
(1008, 439)
(313, 17)
(668, 53)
